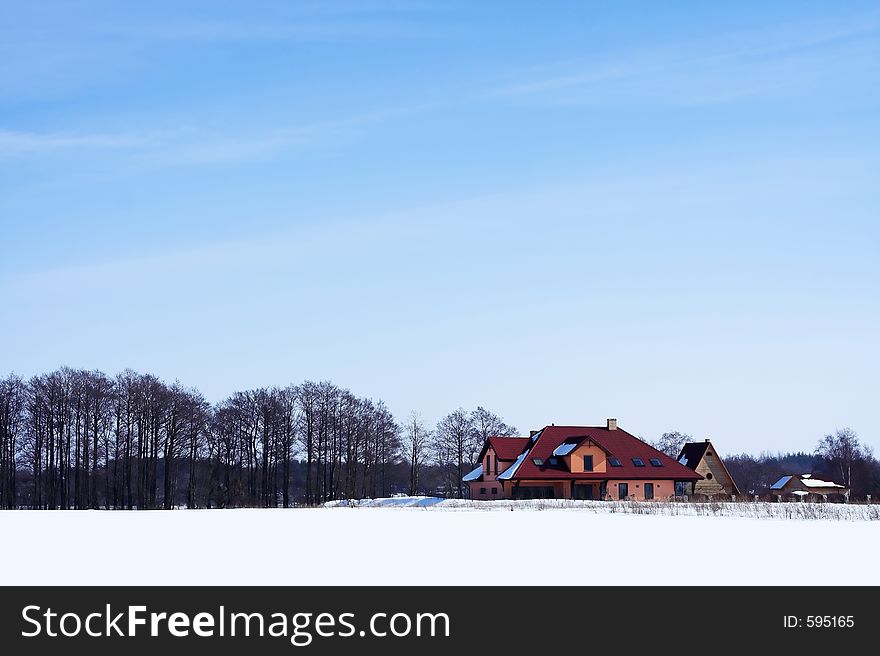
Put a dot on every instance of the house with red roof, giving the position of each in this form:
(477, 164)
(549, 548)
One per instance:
(576, 462)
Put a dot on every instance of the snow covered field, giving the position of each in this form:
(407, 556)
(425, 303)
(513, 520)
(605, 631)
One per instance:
(438, 545)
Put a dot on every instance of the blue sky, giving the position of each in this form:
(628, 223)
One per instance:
(664, 212)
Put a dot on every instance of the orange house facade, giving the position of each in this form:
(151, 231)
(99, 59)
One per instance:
(576, 462)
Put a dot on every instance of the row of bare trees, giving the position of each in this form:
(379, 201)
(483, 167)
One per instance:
(81, 439)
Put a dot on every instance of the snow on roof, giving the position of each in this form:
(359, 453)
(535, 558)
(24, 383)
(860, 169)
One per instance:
(564, 449)
(683, 461)
(800, 493)
(474, 474)
(808, 481)
(781, 483)
(815, 482)
(508, 473)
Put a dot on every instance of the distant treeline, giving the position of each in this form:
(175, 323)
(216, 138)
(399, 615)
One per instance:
(76, 439)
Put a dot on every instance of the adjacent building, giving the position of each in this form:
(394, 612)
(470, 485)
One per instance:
(703, 458)
(576, 462)
(806, 487)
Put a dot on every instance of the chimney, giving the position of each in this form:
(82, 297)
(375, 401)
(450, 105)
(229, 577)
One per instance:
(707, 439)
(612, 423)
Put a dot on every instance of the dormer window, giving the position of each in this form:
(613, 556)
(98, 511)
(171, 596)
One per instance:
(655, 462)
(538, 461)
(614, 462)
(638, 462)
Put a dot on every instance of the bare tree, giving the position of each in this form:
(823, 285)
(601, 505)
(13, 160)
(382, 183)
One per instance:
(416, 438)
(12, 423)
(385, 434)
(288, 418)
(671, 443)
(308, 394)
(842, 450)
(454, 440)
(98, 396)
(487, 424)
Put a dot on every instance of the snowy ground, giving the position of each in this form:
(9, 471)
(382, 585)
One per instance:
(421, 546)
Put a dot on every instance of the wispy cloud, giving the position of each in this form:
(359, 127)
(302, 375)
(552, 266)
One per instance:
(302, 21)
(189, 146)
(22, 143)
(714, 69)
(233, 32)
(228, 149)
(352, 22)
(49, 49)
(222, 148)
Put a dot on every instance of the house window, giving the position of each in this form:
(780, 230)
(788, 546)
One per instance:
(622, 490)
(655, 462)
(494, 490)
(496, 464)
(649, 490)
(709, 476)
(614, 462)
(588, 463)
(483, 491)
(638, 462)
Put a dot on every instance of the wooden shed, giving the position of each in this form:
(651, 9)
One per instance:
(704, 459)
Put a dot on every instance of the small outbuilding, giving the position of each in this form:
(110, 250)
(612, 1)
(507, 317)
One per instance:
(806, 488)
(703, 458)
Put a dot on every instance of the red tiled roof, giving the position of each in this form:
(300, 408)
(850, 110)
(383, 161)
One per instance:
(617, 443)
(507, 448)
